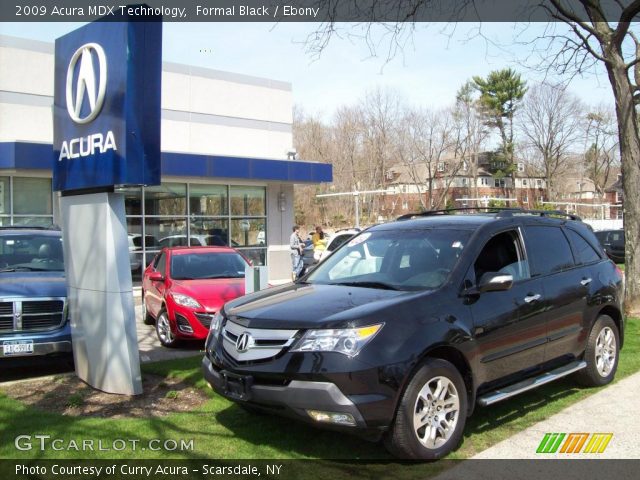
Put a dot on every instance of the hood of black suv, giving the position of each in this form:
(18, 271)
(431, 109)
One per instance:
(314, 306)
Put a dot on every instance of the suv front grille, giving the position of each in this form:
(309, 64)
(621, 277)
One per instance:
(21, 315)
(257, 343)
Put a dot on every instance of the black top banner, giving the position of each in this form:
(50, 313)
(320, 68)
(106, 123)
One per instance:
(321, 10)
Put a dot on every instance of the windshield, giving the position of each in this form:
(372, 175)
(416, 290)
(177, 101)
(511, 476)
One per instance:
(202, 265)
(31, 252)
(394, 259)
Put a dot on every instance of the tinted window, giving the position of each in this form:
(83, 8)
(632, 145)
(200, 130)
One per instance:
(586, 253)
(548, 250)
(616, 239)
(502, 254)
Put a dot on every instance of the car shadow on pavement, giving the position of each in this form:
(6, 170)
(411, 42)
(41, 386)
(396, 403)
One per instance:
(21, 368)
(297, 438)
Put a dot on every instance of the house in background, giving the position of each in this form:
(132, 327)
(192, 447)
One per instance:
(614, 195)
(456, 182)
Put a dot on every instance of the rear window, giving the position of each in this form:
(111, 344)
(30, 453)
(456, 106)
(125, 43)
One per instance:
(585, 252)
(548, 250)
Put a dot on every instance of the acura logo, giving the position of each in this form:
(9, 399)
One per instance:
(88, 84)
(244, 342)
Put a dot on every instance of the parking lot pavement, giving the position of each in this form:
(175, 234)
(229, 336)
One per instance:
(152, 351)
(611, 410)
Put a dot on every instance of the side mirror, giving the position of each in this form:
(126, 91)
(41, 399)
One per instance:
(495, 282)
(156, 277)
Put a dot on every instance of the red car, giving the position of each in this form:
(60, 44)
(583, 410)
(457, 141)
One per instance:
(184, 287)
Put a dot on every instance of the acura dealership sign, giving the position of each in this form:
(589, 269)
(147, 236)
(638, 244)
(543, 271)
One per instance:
(87, 82)
(107, 106)
(86, 86)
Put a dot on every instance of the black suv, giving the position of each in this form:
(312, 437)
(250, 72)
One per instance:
(401, 331)
(613, 243)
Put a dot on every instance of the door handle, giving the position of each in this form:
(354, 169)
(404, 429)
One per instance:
(532, 298)
(585, 281)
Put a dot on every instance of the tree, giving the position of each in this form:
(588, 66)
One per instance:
(550, 124)
(467, 115)
(601, 155)
(597, 37)
(500, 96)
(599, 33)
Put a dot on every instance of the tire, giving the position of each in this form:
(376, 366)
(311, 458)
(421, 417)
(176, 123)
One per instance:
(601, 354)
(405, 441)
(163, 330)
(147, 319)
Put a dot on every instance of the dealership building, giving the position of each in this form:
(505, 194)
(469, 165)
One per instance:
(228, 163)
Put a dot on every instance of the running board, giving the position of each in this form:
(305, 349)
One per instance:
(530, 383)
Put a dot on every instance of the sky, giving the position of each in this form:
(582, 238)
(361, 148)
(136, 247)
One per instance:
(426, 72)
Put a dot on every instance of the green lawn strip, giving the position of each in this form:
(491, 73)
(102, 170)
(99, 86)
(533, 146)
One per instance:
(621, 266)
(222, 430)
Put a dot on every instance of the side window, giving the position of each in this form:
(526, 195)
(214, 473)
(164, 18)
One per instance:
(616, 239)
(161, 264)
(586, 253)
(548, 250)
(502, 254)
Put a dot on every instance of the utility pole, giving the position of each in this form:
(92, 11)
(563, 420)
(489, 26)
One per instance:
(356, 197)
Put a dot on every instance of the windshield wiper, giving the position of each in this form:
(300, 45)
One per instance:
(23, 268)
(381, 285)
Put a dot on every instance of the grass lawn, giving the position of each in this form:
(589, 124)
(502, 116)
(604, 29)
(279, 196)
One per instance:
(222, 430)
(621, 266)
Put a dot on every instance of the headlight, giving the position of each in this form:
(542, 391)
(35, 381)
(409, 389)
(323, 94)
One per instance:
(216, 323)
(348, 341)
(185, 301)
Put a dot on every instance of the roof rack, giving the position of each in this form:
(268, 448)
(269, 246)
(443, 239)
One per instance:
(500, 212)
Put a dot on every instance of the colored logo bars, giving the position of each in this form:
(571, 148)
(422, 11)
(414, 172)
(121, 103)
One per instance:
(574, 442)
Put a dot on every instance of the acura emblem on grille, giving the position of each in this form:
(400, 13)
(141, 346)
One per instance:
(244, 342)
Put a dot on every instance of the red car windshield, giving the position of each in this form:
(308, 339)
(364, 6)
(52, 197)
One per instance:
(203, 265)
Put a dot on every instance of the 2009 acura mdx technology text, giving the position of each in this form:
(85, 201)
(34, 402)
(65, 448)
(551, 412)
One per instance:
(410, 324)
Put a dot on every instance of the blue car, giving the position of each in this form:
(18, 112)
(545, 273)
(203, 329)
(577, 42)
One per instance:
(33, 294)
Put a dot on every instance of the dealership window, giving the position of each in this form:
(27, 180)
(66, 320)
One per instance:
(26, 201)
(181, 214)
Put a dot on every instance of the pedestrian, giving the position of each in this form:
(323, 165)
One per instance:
(319, 241)
(296, 246)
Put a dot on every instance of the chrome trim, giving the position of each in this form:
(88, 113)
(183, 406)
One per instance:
(18, 314)
(530, 383)
(255, 351)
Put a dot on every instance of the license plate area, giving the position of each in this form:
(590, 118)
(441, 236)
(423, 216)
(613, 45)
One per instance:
(236, 386)
(17, 347)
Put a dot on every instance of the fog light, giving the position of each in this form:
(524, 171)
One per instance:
(183, 324)
(332, 417)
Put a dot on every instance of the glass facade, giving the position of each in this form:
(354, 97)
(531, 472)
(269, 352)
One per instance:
(171, 214)
(26, 201)
(180, 214)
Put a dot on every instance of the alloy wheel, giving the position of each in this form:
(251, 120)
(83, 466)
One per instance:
(436, 412)
(606, 351)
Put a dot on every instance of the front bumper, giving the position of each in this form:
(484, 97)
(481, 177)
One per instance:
(293, 399)
(44, 342)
